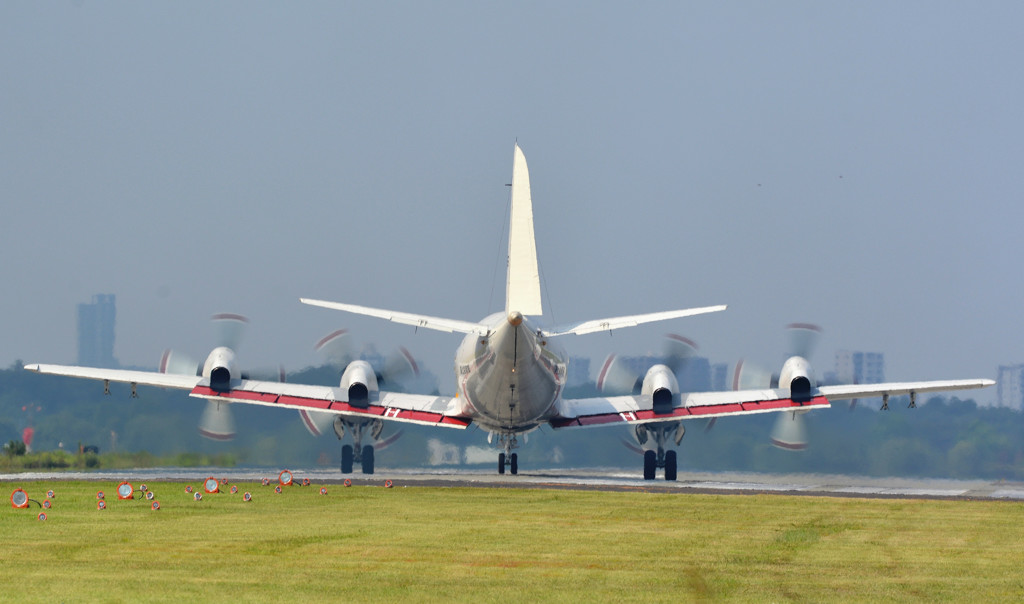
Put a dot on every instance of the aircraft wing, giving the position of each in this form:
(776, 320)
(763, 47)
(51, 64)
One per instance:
(424, 321)
(393, 406)
(639, 409)
(146, 378)
(899, 388)
(628, 321)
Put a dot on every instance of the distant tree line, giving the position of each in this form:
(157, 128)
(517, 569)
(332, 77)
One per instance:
(944, 437)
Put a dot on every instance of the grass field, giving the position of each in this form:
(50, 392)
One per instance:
(500, 545)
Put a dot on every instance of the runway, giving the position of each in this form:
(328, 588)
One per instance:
(599, 479)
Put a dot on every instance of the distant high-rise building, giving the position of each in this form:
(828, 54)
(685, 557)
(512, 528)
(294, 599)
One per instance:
(96, 332)
(720, 377)
(1010, 387)
(860, 367)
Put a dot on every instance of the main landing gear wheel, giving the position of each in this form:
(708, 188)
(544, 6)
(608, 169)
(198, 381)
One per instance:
(657, 456)
(346, 459)
(512, 463)
(650, 464)
(670, 465)
(368, 459)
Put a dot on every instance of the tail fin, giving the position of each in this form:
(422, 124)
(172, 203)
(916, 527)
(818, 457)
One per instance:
(522, 288)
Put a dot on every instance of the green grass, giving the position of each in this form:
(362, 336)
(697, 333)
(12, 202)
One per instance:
(500, 545)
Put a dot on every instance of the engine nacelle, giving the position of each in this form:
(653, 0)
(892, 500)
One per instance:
(662, 386)
(220, 368)
(360, 381)
(796, 375)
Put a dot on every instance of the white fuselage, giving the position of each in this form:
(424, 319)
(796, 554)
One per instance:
(509, 380)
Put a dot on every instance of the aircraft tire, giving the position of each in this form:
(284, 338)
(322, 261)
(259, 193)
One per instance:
(501, 463)
(650, 464)
(515, 463)
(670, 465)
(368, 459)
(346, 459)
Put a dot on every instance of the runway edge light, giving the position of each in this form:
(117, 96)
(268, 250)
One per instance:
(19, 499)
(125, 491)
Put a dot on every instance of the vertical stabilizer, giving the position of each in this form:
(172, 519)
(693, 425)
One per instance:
(522, 289)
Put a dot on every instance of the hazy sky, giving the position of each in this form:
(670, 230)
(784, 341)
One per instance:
(856, 165)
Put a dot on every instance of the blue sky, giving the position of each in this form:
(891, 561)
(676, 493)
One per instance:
(855, 165)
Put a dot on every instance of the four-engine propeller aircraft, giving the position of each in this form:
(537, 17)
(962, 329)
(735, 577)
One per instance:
(510, 371)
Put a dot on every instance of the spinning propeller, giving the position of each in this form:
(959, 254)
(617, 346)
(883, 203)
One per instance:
(617, 378)
(790, 431)
(216, 422)
(393, 372)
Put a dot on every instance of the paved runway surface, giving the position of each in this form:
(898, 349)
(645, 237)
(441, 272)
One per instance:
(583, 479)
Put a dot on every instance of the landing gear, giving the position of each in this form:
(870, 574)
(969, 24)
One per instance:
(508, 459)
(661, 458)
(367, 459)
(650, 464)
(358, 454)
(346, 459)
(670, 465)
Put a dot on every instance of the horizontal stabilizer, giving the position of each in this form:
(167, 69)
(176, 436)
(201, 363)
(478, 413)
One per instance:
(424, 321)
(630, 321)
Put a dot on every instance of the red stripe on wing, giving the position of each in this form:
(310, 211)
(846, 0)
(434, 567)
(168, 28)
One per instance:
(312, 403)
(684, 412)
(245, 395)
(428, 417)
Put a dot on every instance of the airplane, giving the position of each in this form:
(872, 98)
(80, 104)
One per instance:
(510, 371)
